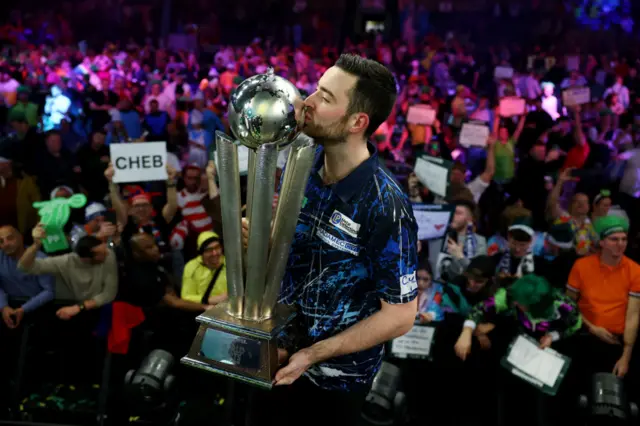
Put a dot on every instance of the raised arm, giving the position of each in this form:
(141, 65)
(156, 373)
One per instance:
(119, 205)
(171, 208)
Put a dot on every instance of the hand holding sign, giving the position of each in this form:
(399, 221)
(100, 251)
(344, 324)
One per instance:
(54, 215)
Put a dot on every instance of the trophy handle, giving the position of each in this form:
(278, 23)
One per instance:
(229, 175)
(263, 189)
(295, 180)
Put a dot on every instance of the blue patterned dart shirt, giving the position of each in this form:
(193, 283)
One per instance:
(355, 244)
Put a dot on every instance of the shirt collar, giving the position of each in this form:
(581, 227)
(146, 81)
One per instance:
(348, 186)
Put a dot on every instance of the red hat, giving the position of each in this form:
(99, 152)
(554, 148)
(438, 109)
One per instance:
(140, 198)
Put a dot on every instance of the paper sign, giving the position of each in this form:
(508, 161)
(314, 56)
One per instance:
(433, 220)
(54, 215)
(474, 134)
(433, 173)
(541, 367)
(139, 162)
(576, 96)
(421, 114)
(512, 106)
(573, 63)
(503, 73)
(415, 344)
(443, 262)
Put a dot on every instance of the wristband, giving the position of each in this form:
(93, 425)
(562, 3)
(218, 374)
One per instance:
(81, 306)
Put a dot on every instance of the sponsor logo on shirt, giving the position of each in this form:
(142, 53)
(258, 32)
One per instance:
(337, 243)
(408, 283)
(345, 224)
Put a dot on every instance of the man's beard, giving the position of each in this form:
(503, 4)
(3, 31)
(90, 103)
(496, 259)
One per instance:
(330, 134)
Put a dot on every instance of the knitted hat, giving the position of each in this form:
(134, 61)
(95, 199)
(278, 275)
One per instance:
(609, 225)
(94, 210)
(535, 293)
(524, 224)
(561, 235)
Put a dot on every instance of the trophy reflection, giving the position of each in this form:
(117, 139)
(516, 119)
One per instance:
(238, 338)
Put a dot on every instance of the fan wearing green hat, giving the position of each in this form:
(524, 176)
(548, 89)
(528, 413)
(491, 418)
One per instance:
(25, 108)
(606, 286)
(540, 311)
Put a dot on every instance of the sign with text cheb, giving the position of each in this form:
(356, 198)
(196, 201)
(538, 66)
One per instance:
(139, 162)
(512, 106)
(474, 134)
(421, 114)
(576, 96)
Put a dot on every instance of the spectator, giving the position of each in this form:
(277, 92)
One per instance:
(156, 122)
(38, 290)
(56, 165)
(25, 108)
(205, 277)
(18, 192)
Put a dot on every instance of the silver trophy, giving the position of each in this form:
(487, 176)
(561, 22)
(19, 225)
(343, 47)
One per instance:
(238, 338)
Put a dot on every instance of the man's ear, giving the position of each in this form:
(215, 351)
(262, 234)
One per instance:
(359, 123)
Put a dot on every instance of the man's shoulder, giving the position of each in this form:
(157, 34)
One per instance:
(587, 261)
(633, 266)
(386, 194)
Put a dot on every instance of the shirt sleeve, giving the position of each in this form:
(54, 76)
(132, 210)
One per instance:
(574, 283)
(393, 252)
(46, 294)
(45, 265)
(634, 288)
(110, 284)
(488, 309)
(189, 289)
(477, 188)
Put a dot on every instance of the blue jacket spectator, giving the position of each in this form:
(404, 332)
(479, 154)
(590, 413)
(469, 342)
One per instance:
(210, 121)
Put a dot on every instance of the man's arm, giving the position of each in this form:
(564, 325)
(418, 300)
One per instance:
(171, 208)
(631, 326)
(47, 284)
(389, 322)
(109, 286)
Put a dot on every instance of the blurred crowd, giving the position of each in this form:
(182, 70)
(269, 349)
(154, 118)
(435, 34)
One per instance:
(544, 238)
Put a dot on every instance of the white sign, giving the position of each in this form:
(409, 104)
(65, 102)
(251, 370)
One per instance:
(541, 364)
(573, 63)
(416, 343)
(512, 106)
(576, 96)
(243, 159)
(139, 162)
(433, 173)
(473, 134)
(421, 114)
(442, 266)
(431, 224)
(503, 73)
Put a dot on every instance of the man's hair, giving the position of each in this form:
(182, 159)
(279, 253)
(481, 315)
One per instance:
(85, 246)
(374, 92)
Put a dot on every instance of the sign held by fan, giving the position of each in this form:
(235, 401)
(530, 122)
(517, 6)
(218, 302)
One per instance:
(54, 215)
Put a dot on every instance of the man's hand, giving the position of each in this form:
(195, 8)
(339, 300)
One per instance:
(211, 170)
(283, 356)
(426, 317)
(546, 341)
(622, 367)
(485, 342)
(171, 173)
(455, 249)
(298, 364)
(107, 230)
(39, 233)
(604, 335)
(109, 173)
(68, 312)
(566, 175)
(245, 233)
(463, 345)
(8, 317)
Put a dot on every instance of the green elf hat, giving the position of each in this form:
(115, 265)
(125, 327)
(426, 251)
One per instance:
(535, 294)
(522, 229)
(561, 235)
(609, 225)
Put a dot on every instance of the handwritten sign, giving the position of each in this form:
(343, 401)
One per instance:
(421, 114)
(139, 162)
(433, 173)
(576, 96)
(474, 134)
(433, 220)
(512, 106)
(503, 73)
(415, 344)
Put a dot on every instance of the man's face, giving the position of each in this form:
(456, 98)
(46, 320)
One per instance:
(424, 279)
(99, 255)
(98, 139)
(518, 248)
(192, 180)
(212, 255)
(155, 90)
(461, 218)
(548, 90)
(614, 245)
(580, 205)
(141, 210)
(326, 117)
(147, 249)
(474, 285)
(503, 134)
(10, 240)
(94, 224)
(457, 176)
(54, 143)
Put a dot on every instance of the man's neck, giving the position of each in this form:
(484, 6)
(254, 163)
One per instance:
(341, 159)
(610, 260)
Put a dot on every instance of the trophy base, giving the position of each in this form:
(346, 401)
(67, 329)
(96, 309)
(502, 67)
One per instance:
(241, 349)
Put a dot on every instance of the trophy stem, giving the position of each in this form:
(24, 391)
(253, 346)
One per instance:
(251, 175)
(229, 174)
(296, 176)
(260, 228)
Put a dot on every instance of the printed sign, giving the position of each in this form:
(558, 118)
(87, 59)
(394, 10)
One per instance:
(474, 134)
(433, 220)
(421, 114)
(512, 106)
(576, 96)
(433, 173)
(503, 73)
(139, 162)
(415, 344)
